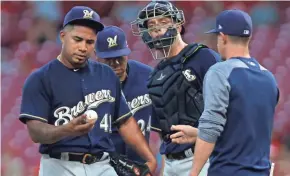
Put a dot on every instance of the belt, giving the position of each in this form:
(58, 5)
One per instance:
(180, 155)
(85, 158)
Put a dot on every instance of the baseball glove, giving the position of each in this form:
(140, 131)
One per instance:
(125, 167)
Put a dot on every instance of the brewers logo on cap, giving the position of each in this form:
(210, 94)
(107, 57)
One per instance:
(88, 14)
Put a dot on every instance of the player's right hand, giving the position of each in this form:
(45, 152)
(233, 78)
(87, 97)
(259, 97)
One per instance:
(184, 134)
(79, 126)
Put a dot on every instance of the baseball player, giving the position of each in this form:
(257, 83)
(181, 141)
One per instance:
(112, 49)
(175, 86)
(240, 97)
(71, 104)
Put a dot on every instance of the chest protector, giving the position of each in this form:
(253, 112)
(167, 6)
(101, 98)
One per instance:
(176, 93)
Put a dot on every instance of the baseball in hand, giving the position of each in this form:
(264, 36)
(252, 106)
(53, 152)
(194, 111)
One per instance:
(91, 115)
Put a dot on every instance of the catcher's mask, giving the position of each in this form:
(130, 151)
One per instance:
(158, 9)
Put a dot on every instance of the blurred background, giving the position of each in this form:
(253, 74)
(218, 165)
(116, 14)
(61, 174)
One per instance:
(29, 32)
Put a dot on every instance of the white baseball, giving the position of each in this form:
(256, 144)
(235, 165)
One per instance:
(91, 115)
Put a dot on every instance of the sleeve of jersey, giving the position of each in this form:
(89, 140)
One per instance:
(216, 90)
(35, 102)
(155, 126)
(122, 109)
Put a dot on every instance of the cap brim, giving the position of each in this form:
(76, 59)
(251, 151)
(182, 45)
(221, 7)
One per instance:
(112, 54)
(213, 31)
(98, 26)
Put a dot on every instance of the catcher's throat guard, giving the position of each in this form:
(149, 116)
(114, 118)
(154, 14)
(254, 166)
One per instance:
(160, 46)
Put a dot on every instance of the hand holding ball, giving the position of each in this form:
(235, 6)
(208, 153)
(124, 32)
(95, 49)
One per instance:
(92, 116)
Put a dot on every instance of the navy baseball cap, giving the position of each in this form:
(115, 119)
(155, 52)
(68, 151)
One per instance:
(234, 23)
(85, 16)
(112, 42)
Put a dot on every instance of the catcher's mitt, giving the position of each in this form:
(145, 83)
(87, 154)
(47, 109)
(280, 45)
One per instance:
(125, 167)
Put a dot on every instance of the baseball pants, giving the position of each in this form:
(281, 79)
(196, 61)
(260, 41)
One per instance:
(50, 166)
(181, 167)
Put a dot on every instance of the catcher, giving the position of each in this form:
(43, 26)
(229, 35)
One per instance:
(175, 86)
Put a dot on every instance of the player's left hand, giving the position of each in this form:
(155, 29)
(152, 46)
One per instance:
(185, 134)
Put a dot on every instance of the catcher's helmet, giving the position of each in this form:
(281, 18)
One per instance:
(158, 9)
